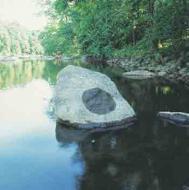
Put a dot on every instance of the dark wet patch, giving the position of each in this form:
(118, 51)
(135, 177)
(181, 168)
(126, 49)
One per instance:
(98, 101)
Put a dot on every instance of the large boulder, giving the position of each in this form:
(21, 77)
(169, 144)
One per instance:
(88, 99)
(176, 118)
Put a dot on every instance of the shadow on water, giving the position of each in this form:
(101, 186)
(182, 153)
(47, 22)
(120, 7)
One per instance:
(152, 155)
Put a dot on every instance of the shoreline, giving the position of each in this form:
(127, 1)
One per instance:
(171, 70)
(13, 58)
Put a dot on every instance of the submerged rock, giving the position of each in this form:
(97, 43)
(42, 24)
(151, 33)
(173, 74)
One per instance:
(139, 74)
(177, 118)
(89, 99)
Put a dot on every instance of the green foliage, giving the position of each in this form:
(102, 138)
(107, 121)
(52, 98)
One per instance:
(16, 40)
(58, 39)
(111, 28)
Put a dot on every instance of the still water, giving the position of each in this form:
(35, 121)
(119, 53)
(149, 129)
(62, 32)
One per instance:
(36, 153)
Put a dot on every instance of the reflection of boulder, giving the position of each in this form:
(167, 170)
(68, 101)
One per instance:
(112, 159)
(89, 99)
(66, 134)
(124, 159)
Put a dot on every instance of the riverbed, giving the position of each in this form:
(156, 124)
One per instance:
(37, 153)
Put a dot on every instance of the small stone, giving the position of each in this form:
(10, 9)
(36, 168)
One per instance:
(139, 74)
(177, 118)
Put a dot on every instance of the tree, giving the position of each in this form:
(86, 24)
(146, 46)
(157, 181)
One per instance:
(107, 27)
(16, 40)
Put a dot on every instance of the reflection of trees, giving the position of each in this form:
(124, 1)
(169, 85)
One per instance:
(23, 72)
(124, 159)
(20, 73)
(152, 95)
(148, 97)
(144, 95)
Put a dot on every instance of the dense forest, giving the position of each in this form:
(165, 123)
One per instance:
(117, 28)
(16, 40)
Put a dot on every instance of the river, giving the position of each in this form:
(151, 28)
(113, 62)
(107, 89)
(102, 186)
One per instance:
(36, 153)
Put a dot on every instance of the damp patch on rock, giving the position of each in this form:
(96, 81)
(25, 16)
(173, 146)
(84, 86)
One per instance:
(98, 101)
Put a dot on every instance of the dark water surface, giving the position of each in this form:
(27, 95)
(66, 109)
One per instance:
(38, 154)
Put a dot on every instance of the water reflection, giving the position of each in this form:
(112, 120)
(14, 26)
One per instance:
(124, 159)
(38, 153)
(30, 157)
(22, 72)
(113, 160)
(21, 106)
(154, 95)
(150, 156)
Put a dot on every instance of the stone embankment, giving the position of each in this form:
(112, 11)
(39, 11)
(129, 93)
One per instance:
(169, 69)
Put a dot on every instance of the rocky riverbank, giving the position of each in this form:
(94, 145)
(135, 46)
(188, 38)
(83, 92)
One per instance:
(15, 58)
(25, 58)
(168, 69)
